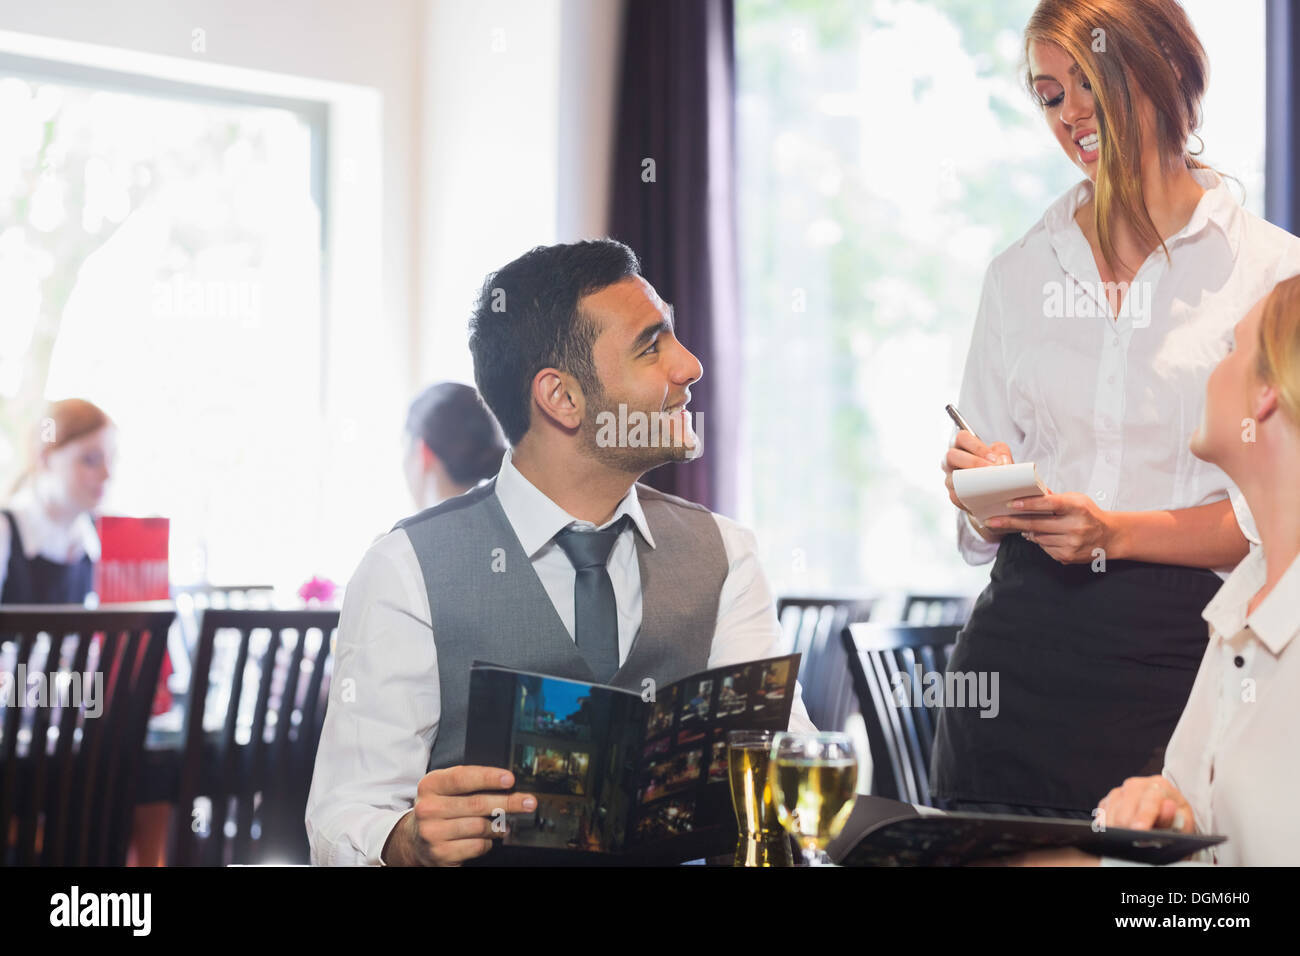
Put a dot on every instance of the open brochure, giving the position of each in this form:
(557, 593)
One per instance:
(882, 832)
(621, 776)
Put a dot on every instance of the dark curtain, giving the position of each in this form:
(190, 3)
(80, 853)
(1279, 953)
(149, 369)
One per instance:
(676, 107)
(1282, 136)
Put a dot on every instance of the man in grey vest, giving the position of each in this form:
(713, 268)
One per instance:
(562, 564)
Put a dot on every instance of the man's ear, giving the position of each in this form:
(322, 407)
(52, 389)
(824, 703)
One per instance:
(558, 396)
(427, 457)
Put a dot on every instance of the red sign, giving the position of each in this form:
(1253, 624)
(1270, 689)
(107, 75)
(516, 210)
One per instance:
(133, 567)
(132, 560)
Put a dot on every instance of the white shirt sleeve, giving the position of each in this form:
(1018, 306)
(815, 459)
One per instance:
(383, 709)
(747, 628)
(983, 401)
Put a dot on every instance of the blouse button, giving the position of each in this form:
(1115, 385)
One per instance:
(1239, 661)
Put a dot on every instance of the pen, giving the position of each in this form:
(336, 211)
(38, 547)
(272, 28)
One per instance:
(961, 422)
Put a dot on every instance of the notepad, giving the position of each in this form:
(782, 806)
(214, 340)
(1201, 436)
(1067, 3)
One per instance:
(986, 491)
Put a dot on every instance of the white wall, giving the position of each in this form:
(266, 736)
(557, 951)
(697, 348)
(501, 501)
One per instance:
(591, 48)
(517, 119)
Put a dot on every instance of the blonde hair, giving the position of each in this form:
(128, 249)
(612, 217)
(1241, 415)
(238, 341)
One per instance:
(1278, 363)
(1120, 45)
(60, 423)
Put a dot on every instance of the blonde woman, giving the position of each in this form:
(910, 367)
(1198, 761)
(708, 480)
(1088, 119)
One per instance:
(1231, 766)
(1095, 336)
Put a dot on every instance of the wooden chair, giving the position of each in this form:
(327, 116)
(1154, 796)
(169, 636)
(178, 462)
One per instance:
(68, 776)
(193, 599)
(255, 770)
(936, 608)
(809, 626)
(900, 732)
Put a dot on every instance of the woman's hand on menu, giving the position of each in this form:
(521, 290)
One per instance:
(1147, 803)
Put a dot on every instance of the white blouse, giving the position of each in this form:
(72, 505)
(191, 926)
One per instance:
(1235, 755)
(1106, 406)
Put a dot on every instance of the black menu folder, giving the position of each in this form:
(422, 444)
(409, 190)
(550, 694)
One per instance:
(882, 832)
(620, 777)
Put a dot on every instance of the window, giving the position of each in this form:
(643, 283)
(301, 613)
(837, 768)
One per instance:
(160, 255)
(888, 152)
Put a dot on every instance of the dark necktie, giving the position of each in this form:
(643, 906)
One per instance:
(595, 615)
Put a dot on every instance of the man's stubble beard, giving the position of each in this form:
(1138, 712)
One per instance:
(633, 460)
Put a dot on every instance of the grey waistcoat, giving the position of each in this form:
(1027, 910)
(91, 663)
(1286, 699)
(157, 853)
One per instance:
(488, 604)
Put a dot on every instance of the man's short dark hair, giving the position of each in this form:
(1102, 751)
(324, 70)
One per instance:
(527, 319)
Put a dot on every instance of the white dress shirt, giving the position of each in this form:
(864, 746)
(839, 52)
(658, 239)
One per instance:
(43, 537)
(375, 748)
(1234, 754)
(1106, 406)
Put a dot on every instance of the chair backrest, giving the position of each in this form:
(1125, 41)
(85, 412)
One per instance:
(261, 677)
(74, 723)
(936, 608)
(810, 626)
(890, 664)
(193, 599)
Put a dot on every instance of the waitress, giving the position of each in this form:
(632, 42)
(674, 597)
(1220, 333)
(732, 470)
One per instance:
(1095, 335)
(48, 543)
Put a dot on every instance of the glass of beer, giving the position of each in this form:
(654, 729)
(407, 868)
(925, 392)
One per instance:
(814, 780)
(763, 841)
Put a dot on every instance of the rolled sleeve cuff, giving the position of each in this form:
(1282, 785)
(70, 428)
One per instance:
(974, 549)
(362, 841)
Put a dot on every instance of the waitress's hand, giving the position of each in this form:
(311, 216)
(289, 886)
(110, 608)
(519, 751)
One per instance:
(1070, 527)
(967, 451)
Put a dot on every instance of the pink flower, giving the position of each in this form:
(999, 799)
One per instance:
(319, 589)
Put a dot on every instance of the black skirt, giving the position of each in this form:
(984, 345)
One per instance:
(1093, 670)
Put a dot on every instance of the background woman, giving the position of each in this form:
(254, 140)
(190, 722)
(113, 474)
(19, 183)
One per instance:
(453, 443)
(1092, 616)
(48, 543)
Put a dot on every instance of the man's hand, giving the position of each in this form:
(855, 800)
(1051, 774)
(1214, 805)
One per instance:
(452, 820)
(1147, 803)
(967, 451)
(1070, 527)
